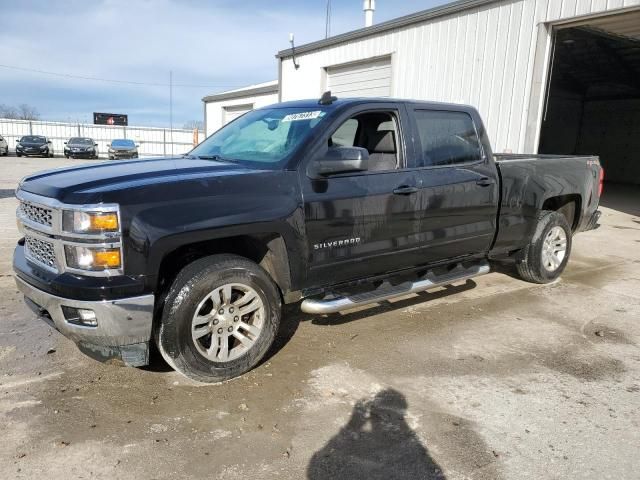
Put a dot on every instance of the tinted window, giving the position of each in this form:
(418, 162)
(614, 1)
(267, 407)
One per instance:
(447, 138)
(80, 141)
(33, 139)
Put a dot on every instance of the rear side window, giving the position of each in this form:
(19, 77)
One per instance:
(447, 138)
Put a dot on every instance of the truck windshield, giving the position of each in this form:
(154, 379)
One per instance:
(262, 138)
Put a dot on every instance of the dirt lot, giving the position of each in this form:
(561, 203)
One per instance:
(491, 379)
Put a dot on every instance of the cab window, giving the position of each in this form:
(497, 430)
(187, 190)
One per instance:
(378, 133)
(447, 138)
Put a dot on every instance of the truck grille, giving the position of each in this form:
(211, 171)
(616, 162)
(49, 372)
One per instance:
(40, 251)
(36, 213)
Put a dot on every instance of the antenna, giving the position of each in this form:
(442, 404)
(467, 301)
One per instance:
(293, 51)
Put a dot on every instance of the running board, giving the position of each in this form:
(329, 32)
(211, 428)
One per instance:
(333, 305)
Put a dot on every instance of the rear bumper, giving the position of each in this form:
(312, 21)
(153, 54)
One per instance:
(124, 325)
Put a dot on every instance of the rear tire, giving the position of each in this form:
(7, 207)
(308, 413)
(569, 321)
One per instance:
(548, 253)
(207, 332)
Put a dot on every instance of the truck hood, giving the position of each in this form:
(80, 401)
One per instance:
(96, 183)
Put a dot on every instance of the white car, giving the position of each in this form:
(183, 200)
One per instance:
(4, 146)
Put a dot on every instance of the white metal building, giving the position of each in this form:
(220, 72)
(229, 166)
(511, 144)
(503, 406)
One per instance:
(223, 107)
(548, 76)
(559, 76)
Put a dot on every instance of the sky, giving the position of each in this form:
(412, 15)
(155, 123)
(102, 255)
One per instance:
(209, 45)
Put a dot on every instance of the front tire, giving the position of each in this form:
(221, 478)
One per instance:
(220, 317)
(547, 254)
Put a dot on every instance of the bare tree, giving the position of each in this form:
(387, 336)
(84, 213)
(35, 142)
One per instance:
(194, 125)
(27, 112)
(7, 111)
(23, 112)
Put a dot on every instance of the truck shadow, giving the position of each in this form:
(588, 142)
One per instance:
(376, 443)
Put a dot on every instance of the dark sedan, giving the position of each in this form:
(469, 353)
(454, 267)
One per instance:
(34, 145)
(80, 147)
(122, 148)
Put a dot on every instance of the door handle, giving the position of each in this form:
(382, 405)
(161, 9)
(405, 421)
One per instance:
(484, 182)
(405, 190)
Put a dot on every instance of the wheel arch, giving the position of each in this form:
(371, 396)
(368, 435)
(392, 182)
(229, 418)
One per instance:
(568, 205)
(266, 249)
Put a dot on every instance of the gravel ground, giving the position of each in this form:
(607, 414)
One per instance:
(491, 379)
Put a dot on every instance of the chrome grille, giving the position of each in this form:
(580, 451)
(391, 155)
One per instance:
(40, 251)
(36, 213)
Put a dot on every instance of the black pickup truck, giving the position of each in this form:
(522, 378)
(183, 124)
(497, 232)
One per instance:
(331, 203)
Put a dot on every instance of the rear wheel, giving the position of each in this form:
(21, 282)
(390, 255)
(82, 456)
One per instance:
(548, 253)
(220, 317)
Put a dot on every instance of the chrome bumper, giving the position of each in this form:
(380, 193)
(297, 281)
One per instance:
(124, 326)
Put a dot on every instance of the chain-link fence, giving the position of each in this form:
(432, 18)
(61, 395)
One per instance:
(152, 141)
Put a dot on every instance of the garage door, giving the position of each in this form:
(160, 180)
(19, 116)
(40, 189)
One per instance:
(370, 79)
(231, 113)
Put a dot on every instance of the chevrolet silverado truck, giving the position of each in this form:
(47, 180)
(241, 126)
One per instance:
(331, 204)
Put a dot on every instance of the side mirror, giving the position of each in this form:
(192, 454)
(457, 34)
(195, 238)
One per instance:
(65, 143)
(48, 141)
(342, 160)
(17, 140)
(95, 144)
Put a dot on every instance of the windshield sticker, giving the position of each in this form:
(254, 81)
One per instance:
(296, 117)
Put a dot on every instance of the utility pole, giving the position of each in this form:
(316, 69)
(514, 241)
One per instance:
(327, 27)
(171, 109)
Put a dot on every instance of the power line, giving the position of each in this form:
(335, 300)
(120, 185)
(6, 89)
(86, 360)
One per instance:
(110, 80)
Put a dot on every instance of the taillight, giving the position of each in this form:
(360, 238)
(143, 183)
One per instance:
(601, 185)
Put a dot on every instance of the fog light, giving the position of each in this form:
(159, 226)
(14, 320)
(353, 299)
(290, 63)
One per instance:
(80, 316)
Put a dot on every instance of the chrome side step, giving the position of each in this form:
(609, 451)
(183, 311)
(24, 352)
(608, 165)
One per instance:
(333, 305)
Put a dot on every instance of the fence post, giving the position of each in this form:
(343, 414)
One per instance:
(79, 133)
(30, 128)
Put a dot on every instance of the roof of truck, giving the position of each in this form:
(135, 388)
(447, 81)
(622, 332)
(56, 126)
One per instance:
(342, 102)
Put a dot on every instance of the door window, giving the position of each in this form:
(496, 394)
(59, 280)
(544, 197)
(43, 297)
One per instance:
(378, 133)
(447, 138)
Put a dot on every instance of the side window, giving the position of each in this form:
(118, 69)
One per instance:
(447, 138)
(378, 133)
(345, 136)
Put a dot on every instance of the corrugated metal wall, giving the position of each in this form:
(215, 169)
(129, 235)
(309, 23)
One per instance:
(152, 141)
(484, 56)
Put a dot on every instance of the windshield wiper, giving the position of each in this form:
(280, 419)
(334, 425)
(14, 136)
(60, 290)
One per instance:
(218, 158)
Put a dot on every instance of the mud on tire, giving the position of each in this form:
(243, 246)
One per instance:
(532, 267)
(199, 299)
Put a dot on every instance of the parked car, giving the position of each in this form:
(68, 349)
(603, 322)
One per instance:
(80, 147)
(122, 148)
(337, 203)
(4, 146)
(34, 145)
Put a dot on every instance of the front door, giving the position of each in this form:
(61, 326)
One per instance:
(365, 223)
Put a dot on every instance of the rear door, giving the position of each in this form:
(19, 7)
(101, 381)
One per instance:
(365, 223)
(459, 187)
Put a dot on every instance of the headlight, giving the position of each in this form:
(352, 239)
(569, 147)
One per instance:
(89, 222)
(19, 147)
(43, 147)
(92, 258)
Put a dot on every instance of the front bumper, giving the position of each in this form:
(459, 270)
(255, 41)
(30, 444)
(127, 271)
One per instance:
(124, 325)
